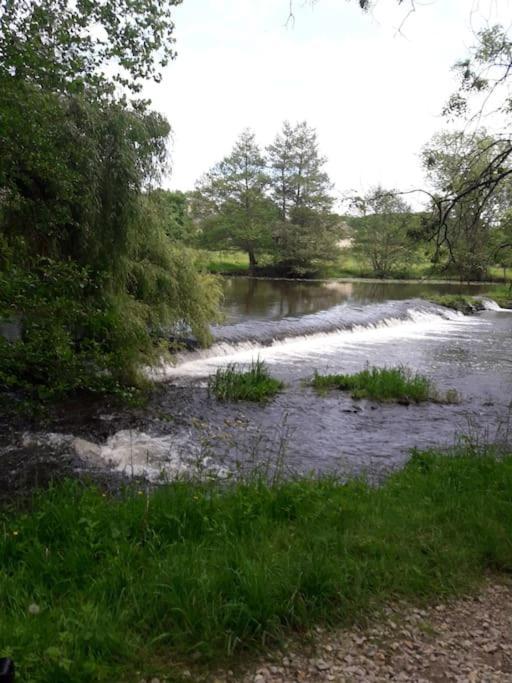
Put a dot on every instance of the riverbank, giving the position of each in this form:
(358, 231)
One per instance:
(349, 269)
(196, 576)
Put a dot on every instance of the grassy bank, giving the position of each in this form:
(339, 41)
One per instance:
(470, 304)
(101, 589)
(227, 262)
(458, 302)
(502, 296)
(348, 265)
(385, 384)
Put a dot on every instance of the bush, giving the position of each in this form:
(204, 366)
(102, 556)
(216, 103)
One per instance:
(80, 334)
(255, 384)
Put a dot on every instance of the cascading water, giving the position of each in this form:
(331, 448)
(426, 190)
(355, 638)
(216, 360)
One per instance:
(312, 335)
(297, 328)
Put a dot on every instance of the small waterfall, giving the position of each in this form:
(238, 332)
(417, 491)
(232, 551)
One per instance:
(294, 337)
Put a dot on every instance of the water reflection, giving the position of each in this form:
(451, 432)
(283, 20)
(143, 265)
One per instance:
(273, 299)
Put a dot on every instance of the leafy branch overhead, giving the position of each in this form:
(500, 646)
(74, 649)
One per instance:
(63, 45)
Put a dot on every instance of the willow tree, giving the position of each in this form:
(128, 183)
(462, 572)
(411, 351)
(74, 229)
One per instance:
(87, 267)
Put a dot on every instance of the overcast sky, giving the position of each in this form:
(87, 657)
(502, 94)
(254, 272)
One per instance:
(374, 94)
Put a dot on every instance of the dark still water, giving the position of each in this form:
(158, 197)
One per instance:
(254, 298)
(297, 328)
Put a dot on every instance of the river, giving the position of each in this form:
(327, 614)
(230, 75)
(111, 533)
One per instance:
(297, 328)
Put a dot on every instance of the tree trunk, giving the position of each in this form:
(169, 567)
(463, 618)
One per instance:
(252, 261)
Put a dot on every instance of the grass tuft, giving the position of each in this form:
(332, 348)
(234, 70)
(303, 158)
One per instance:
(254, 384)
(385, 384)
(95, 588)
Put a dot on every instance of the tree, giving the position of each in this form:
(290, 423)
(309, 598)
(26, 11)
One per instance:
(231, 203)
(484, 90)
(70, 47)
(87, 265)
(173, 211)
(455, 161)
(308, 241)
(382, 232)
(278, 206)
(306, 235)
(297, 177)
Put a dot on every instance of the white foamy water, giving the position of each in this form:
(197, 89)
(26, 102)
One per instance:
(318, 346)
(491, 305)
(137, 454)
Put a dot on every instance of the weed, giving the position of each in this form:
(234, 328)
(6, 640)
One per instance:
(385, 384)
(254, 384)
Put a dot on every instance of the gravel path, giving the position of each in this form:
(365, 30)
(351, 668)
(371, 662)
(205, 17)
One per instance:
(467, 640)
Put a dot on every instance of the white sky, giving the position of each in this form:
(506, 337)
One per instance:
(373, 94)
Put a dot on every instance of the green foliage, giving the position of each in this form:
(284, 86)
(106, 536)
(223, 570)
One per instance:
(384, 384)
(307, 242)
(87, 266)
(297, 178)
(90, 264)
(231, 204)
(80, 335)
(64, 46)
(254, 384)
(277, 206)
(72, 337)
(172, 212)
(382, 235)
(72, 175)
(96, 588)
(455, 163)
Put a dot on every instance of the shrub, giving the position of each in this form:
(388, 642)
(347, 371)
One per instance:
(255, 384)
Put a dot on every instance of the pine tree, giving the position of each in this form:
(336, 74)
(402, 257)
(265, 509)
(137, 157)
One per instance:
(296, 170)
(232, 202)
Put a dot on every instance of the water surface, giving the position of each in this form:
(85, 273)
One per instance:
(298, 328)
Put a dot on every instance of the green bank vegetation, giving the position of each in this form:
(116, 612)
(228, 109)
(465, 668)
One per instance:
(94, 271)
(235, 384)
(458, 302)
(348, 263)
(471, 304)
(385, 384)
(502, 296)
(100, 588)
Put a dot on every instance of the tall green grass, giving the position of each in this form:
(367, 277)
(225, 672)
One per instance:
(234, 384)
(385, 384)
(94, 588)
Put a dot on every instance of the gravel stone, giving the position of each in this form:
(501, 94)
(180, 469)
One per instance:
(466, 640)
